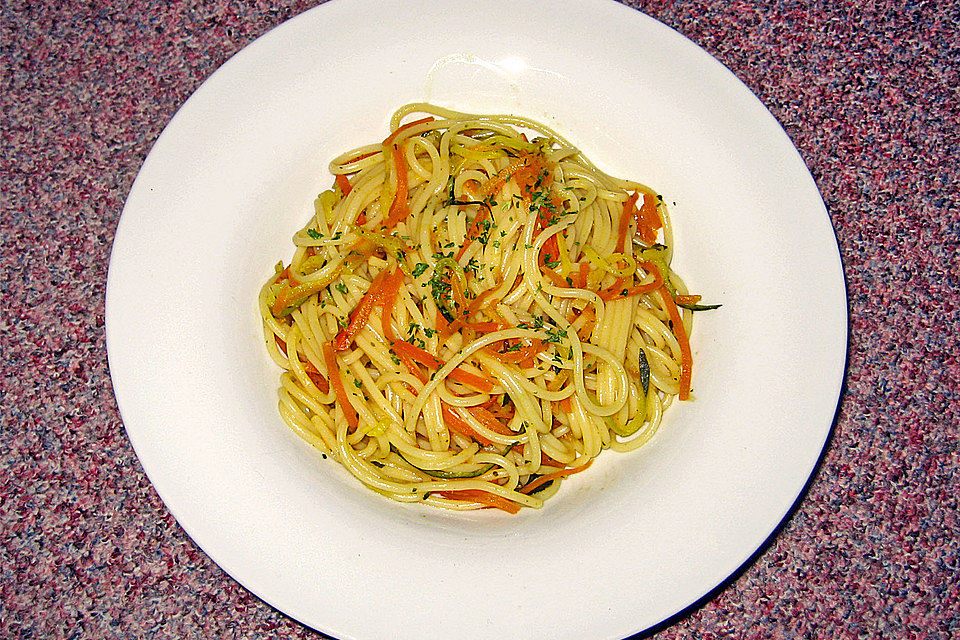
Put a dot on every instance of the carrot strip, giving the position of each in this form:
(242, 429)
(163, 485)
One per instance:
(344, 183)
(443, 327)
(549, 252)
(330, 359)
(686, 357)
(628, 209)
(648, 221)
(455, 423)
(508, 357)
(527, 175)
(554, 475)
(525, 355)
(477, 304)
(635, 290)
(471, 380)
(419, 355)
(494, 184)
(490, 421)
(588, 325)
(412, 367)
(400, 209)
(531, 352)
(361, 313)
(491, 500)
(390, 138)
(316, 377)
(584, 274)
(388, 301)
(363, 156)
(457, 290)
(312, 372)
(688, 299)
(431, 361)
(613, 291)
(554, 277)
(474, 231)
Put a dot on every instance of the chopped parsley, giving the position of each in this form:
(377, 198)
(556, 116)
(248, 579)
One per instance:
(419, 269)
(556, 334)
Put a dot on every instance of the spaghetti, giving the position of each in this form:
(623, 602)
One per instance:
(474, 314)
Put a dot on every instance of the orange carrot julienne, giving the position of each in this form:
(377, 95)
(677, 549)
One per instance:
(479, 383)
(455, 423)
(554, 277)
(330, 359)
(485, 498)
(316, 377)
(312, 372)
(680, 331)
(412, 367)
(688, 299)
(443, 327)
(495, 183)
(648, 221)
(584, 274)
(528, 175)
(388, 301)
(550, 252)
(390, 138)
(588, 324)
(613, 291)
(400, 209)
(531, 353)
(628, 209)
(421, 356)
(507, 357)
(458, 297)
(344, 183)
(431, 361)
(283, 275)
(361, 313)
(525, 355)
(474, 231)
(635, 290)
(553, 475)
(478, 302)
(490, 421)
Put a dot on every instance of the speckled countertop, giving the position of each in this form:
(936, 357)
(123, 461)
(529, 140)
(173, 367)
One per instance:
(868, 92)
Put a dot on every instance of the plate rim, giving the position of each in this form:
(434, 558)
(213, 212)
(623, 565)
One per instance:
(120, 387)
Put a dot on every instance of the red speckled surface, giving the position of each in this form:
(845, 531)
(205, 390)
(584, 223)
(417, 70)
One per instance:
(868, 92)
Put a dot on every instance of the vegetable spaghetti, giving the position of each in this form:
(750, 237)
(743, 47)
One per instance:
(475, 312)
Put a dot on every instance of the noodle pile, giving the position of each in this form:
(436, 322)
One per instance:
(473, 314)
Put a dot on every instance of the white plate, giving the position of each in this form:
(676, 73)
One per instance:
(623, 547)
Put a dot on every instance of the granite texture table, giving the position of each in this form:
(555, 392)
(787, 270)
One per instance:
(867, 91)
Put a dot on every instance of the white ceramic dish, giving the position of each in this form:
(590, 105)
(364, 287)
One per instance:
(624, 546)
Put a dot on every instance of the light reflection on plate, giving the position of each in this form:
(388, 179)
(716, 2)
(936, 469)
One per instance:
(622, 547)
